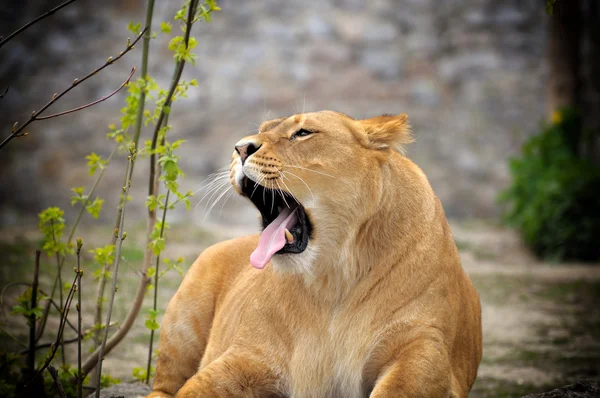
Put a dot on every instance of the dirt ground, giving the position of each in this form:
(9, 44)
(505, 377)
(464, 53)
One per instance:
(541, 321)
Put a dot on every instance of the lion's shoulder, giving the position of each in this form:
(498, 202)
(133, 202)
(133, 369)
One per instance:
(232, 250)
(222, 261)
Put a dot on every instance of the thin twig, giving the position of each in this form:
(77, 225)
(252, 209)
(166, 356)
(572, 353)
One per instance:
(155, 302)
(34, 289)
(174, 82)
(121, 237)
(91, 103)
(57, 307)
(47, 345)
(27, 25)
(17, 130)
(66, 341)
(50, 303)
(54, 373)
(79, 275)
(136, 137)
(105, 269)
(5, 92)
(155, 169)
(131, 316)
(59, 265)
(145, 52)
(71, 234)
(59, 335)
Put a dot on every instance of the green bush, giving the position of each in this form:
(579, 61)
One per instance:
(554, 198)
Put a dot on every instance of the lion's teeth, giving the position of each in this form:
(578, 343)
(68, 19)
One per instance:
(289, 237)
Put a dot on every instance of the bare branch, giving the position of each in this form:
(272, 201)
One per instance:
(155, 302)
(18, 130)
(91, 103)
(34, 289)
(59, 387)
(79, 275)
(59, 335)
(27, 25)
(121, 237)
(67, 341)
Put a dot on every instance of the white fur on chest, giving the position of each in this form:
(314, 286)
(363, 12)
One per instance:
(329, 364)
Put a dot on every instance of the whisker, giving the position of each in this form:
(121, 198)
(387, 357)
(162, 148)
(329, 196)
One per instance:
(272, 196)
(304, 104)
(304, 182)
(231, 193)
(212, 177)
(314, 171)
(210, 188)
(216, 193)
(288, 188)
(212, 192)
(281, 194)
(264, 201)
(256, 185)
(217, 201)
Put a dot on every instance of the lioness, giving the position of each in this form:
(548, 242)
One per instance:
(353, 289)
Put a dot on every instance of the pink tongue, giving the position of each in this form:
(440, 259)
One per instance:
(272, 238)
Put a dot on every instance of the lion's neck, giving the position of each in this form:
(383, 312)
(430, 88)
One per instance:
(384, 238)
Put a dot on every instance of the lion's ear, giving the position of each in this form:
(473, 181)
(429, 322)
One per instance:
(387, 131)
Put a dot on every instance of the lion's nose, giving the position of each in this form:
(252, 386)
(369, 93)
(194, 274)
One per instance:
(245, 150)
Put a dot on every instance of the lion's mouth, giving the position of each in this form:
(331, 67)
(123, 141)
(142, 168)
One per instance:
(286, 226)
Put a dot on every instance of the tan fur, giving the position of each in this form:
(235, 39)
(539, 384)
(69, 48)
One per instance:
(377, 306)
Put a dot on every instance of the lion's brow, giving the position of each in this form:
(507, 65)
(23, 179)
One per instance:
(270, 124)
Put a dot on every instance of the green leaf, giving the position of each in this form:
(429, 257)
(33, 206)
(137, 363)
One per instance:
(51, 225)
(152, 202)
(166, 27)
(94, 162)
(78, 190)
(177, 144)
(157, 246)
(95, 207)
(134, 28)
(151, 324)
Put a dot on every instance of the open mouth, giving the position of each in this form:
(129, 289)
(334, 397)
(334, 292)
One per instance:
(286, 226)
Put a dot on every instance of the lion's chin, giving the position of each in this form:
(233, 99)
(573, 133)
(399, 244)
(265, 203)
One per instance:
(297, 263)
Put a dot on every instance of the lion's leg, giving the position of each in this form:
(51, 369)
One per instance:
(234, 374)
(181, 346)
(422, 369)
(184, 332)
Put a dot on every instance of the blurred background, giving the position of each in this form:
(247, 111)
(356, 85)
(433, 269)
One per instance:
(478, 79)
(472, 77)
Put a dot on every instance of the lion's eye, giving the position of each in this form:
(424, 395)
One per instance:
(300, 133)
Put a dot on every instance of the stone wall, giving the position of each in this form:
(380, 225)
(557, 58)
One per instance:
(469, 73)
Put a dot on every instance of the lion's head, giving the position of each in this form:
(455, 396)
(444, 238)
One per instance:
(318, 180)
